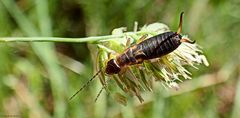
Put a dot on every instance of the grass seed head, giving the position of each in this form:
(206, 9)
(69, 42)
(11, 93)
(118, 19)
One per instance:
(169, 69)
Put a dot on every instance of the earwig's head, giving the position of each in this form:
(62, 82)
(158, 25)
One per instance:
(112, 67)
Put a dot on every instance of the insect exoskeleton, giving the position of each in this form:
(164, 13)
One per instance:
(146, 49)
(150, 48)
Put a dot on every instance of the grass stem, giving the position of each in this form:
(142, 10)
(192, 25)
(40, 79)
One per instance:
(91, 39)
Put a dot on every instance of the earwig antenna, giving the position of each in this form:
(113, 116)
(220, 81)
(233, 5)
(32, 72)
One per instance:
(84, 85)
(99, 93)
(180, 24)
(188, 41)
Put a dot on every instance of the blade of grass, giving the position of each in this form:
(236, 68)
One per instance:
(158, 103)
(236, 107)
(45, 53)
(57, 75)
(24, 26)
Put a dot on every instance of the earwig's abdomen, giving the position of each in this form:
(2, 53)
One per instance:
(159, 45)
(151, 48)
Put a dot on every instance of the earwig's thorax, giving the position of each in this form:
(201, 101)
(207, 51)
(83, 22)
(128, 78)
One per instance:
(112, 67)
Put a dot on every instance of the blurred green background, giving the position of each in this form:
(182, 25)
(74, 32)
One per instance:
(36, 79)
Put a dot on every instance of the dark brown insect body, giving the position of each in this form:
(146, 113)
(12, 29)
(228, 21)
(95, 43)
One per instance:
(151, 48)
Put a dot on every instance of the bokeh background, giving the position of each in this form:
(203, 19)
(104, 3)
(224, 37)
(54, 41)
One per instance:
(36, 79)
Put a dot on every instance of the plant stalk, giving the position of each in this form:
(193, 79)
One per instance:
(91, 39)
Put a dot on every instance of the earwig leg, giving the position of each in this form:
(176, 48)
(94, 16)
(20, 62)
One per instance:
(142, 38)
(99, 93)
(139, 53)
(128, 43)
(109, 55)
(123, 70)
(139, 66)
(180, 24)
(135, 84)
(187, 41)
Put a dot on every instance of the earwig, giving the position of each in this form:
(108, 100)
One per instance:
(151, 48)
